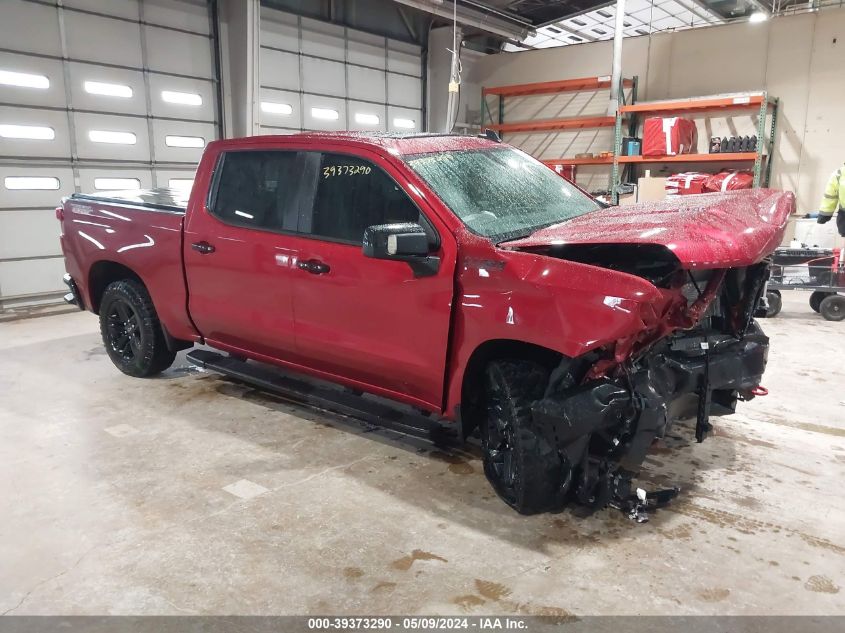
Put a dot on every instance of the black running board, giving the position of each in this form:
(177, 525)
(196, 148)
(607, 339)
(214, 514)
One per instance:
(338, 401)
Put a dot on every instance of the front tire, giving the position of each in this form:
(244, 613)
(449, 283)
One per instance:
(522, 465)
(131, 331)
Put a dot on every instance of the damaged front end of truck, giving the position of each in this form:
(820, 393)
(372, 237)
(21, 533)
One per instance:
(605, 411)
(697, 352)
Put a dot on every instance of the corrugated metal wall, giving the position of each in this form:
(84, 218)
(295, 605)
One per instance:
(94, 96)
(320, 76)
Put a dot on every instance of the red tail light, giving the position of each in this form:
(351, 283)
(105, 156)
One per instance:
(60, 214)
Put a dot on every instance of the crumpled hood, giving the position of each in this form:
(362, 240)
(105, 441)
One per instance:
(718, 230)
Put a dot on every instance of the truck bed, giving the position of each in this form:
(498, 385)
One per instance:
(140, 230)
(159, 199)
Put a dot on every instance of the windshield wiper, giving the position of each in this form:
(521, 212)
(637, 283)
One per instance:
(518, 235)
(510, 237)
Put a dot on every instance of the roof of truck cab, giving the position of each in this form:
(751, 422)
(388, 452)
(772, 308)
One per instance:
(402, 144)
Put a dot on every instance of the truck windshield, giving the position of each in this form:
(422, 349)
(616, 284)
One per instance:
(501, 193)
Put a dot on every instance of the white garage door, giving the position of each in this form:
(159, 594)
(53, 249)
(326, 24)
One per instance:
(319, 76)
(94, 96)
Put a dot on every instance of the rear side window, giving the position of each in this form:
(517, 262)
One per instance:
(351, 195)
(255, 189)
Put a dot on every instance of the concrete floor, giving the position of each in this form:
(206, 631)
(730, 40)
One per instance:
(189, 494)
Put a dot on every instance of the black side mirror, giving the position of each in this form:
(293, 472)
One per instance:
(407, 242)
(395, 241)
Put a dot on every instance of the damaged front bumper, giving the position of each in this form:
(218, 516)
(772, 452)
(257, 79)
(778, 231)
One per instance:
(603, 428)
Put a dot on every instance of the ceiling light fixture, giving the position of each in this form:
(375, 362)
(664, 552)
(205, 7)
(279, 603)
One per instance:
(367, 119)
(23, 80)
(325, 113)
(36, 132)
(271, 107)
(107, 89)
(108, 136)
(31, 182)
(181, 98)
(184, 141)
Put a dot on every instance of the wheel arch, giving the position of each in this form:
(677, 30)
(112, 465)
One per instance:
(103, 273)
(471, 407)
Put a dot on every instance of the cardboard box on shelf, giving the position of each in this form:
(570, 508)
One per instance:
(628, 198)
(651, 189)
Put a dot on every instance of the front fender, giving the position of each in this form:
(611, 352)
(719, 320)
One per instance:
(568, 307)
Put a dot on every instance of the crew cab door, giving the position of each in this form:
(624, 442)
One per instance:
(238, 256)
(368, 320)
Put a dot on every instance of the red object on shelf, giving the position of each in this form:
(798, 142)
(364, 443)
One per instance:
(567, 171)
(669, 136)
(729, 181)
(687, 183)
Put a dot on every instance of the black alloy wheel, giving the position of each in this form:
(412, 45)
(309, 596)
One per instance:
(501, 447)
(521, 463)
(124, 330)
(132, 334)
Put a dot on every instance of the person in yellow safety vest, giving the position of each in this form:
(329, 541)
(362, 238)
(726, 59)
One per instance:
(834, 197)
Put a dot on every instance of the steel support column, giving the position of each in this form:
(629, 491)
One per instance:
(240, 26)
(616, 69)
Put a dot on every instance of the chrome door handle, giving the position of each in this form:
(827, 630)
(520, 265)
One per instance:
(203, 248)
(313, 266)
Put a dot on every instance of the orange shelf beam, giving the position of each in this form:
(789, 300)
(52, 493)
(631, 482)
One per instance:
(554, 124)
(554, 87)
(595, 160)
(748, 102)
(691, 158)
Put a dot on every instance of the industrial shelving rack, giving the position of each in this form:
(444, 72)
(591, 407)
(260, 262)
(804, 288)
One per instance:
(583, 84)
(765, 105)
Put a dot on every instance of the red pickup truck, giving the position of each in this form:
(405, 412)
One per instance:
(452, 273)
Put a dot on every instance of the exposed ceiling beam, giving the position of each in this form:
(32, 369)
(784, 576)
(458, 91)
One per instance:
(571, 31)
(475, 18)
(408, 25)
(700, 9)
(575, 14)
(760, 6)
(486, 8)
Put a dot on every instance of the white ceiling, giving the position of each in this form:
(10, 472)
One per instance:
(641, 18)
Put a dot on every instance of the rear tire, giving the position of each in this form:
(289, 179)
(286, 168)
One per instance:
(522, 465)
(131, 331)
(817, 297)
(832, 308)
